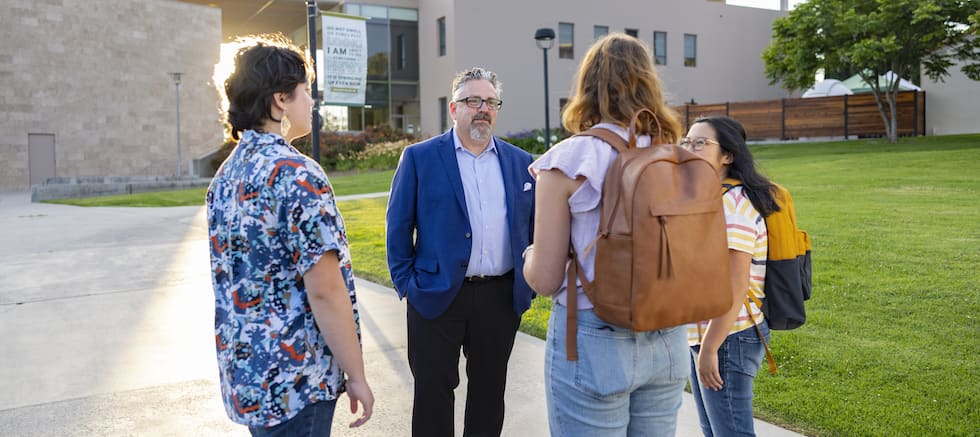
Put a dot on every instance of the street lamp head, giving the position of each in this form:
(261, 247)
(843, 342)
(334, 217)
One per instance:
(544, 38)
(176, 77)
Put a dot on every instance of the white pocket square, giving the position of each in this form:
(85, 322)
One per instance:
(527, 186)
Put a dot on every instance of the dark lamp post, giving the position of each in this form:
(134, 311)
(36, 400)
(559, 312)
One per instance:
(176, 77)
(545, 38)
(312, 13)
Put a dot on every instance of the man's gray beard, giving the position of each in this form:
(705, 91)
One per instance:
(480, 133)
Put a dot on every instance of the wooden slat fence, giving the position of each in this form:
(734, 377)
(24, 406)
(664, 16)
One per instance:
(817, 117)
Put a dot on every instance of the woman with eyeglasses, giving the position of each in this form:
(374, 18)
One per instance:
(624, 382)
(726, 351)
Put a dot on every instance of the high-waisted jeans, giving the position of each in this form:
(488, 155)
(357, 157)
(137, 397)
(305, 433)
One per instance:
(624, 383)
(728, 412)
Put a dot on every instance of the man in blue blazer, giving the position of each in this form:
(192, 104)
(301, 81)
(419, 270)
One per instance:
(460, 215)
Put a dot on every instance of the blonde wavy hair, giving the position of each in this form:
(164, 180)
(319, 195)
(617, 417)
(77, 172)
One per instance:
(616, 79)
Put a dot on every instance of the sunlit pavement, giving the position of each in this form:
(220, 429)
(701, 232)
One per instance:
(106, 317)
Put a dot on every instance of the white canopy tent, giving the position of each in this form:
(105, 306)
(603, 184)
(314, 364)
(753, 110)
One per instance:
(859, 86)
(826, 88)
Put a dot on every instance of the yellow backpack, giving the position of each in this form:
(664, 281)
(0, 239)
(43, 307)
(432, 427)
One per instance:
(788, 273)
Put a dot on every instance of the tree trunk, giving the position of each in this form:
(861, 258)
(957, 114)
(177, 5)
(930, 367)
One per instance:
(893, 107)
(885, 119)
(889, 113)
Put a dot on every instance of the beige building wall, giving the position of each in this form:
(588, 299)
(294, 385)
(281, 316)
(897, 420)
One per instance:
(94, 74)
(436, 72)
(951, 106)
(500, 36)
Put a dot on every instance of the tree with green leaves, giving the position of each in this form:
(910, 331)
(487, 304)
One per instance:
(873, 37)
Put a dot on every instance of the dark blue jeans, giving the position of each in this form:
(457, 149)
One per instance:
(313, 420)
(728, 412)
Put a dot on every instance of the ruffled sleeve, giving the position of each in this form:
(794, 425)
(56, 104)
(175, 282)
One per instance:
(575, 157)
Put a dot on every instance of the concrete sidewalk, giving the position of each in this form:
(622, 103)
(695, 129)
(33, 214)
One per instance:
(107, 314)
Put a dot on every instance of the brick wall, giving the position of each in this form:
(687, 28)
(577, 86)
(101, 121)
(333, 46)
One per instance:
(94, 74)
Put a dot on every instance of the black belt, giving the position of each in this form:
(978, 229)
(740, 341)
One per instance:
(487, 278)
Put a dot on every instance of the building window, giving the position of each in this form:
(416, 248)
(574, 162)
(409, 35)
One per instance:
(371, 11)
(443, 117)
(391, 94)
(400, 48)
(403, 14)
(690, 50)
(633, 32)
(599, 32)
(566, 41)
(660, 48)
(441, 24)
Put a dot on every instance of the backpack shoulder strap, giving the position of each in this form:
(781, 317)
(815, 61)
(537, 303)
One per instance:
(617, 142)
(730, 183)
(613, 178)
(571, 306)
(758, 330)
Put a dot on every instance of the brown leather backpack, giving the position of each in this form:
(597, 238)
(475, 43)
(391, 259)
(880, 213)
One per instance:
(662, 248)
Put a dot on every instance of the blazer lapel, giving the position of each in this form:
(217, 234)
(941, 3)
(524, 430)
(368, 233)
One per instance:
(447, 151)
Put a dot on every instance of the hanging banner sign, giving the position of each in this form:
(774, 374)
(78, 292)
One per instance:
(344, 74)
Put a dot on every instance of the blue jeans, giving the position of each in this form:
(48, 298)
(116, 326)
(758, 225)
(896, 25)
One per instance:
(314, 420)
(728, 412)
(624, 383)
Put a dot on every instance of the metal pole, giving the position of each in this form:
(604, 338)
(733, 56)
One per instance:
(915, 114)
(782, 134)
(176, 77)
(924, 102)
(180, 161)
(312, 13)
(547, 115)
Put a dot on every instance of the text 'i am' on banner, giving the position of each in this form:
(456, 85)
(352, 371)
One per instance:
(345, 59)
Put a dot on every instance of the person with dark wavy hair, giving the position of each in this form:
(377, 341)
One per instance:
(726, 351)
(625, 382)
(286, 322)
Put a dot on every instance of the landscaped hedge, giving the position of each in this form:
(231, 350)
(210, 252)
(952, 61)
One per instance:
(380, 147)
(533, 140)
(375, 148)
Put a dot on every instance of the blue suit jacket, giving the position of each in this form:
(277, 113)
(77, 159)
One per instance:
(427, 200)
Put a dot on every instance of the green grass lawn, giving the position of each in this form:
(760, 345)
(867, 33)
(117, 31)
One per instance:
(365, 222)
(891, 344)
(185, 197)
(892, 340)
(356, 183)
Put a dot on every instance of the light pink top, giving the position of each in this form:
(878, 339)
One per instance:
(590, 158)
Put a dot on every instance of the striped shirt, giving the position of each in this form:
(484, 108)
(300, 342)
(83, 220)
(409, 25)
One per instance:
(746, 233)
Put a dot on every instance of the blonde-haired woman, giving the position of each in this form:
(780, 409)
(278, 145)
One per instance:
(624, 382)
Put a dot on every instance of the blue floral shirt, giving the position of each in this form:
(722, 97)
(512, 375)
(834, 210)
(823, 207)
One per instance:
(271, 215)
